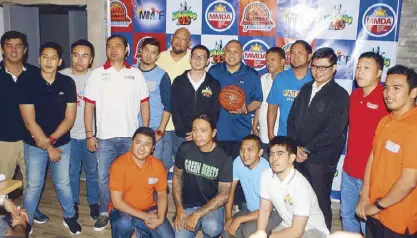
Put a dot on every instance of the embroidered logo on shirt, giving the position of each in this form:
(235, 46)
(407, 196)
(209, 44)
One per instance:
(288, 199)
(391, 146)
(61, 93)
(105, 76)
(207, 92)
(242, 82)
(152, 180)
(129, 77)
(372, 106)
(320, 106)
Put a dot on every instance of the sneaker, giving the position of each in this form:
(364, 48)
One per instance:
(72, 225)
(94, 211)
(77, 215)
(39, 217)
(101, 223)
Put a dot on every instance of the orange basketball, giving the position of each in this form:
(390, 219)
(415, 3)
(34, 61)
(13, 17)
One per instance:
(232, 98)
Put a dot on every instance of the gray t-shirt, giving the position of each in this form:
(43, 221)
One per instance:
(78, 130)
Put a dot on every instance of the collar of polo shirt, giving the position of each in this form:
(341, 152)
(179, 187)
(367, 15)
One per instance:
(107, 65)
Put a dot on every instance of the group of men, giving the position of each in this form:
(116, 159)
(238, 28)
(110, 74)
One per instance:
(277, 171)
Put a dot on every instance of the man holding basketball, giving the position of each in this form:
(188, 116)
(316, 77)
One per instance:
(233, 126)
(193, 93)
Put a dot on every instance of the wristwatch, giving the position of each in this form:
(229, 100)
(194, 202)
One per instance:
(52, 140)
(377, 205)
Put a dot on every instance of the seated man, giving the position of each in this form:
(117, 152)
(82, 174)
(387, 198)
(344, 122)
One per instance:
(134, 177)
(248, 168)
(19, 219)
(291, 194)
(201, 183)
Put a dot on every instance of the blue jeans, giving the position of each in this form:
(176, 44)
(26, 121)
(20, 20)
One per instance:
(80, 154)
(108, 151)
(36, 161)
(211, 224)
(163, 150)
(176, 142)
(350, 190)
(122, 225)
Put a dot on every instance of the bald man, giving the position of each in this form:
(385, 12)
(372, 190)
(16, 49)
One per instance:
(174, 61)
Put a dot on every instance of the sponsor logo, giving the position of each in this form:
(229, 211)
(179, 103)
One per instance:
(372, 106)
(288, 199)
(254, 52)
(342, 58)
(220, 16)
(118, 14)
(257, 17)
(217, 53)
(391, 146)
(287, 48)
(149, 14)
(138, 55)
(379, 20)
(152, 180)
(387, 61)
(207, 92)
(338, 19)
(185, 15)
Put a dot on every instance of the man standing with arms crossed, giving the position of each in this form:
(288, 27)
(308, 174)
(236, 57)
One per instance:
(118, 92)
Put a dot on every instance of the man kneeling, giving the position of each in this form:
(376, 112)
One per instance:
(291, 194)
(247, 169)
(134, 177)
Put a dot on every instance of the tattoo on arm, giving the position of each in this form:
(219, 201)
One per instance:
(177, 186)
(219, 200)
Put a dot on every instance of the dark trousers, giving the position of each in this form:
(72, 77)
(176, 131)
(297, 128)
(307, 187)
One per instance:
(320, 177)
(375, 229)
(232, 149)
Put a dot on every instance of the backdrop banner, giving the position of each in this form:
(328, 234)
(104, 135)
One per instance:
(349, 27)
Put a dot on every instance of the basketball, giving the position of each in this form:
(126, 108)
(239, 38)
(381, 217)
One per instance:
(232, 98)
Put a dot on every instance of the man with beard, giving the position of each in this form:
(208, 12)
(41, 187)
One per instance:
(286, 189)
(286, 87)
(175, 61)
(159, 87)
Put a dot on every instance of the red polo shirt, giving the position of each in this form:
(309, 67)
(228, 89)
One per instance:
(364, 116)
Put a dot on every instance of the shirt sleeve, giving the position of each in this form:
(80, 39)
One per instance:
(165, 89)
(116, 179)
(226, 171)
(410, 150)
(161, 184)
(71, 91)
(179, 158)
(274, 97)
(235, 169)
(91, 89)
(265, 182)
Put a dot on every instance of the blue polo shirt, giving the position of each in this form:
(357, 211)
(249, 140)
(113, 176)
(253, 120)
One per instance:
(285, 89)
(232, 127)
(250, 179)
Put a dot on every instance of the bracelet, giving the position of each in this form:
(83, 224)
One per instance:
(90, 137)
(88, 131)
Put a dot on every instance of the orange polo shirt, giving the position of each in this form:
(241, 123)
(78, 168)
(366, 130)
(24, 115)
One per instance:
(395, 148)
(137, 183)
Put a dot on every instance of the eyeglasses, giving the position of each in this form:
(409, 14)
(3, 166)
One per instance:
(199, 57)
(320, 68)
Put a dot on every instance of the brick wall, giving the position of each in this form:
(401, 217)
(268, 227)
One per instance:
(407, 44)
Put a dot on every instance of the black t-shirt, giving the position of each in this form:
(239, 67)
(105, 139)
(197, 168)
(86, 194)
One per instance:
(50, 101)
(202, 172)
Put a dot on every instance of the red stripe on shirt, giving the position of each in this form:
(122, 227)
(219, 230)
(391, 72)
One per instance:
(89, 100)
(145, 99)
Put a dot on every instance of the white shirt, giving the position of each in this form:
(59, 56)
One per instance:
(197, 84)
(315, 90)
(293, 196)
(266, 81)
(78, 130)
(117, 96)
